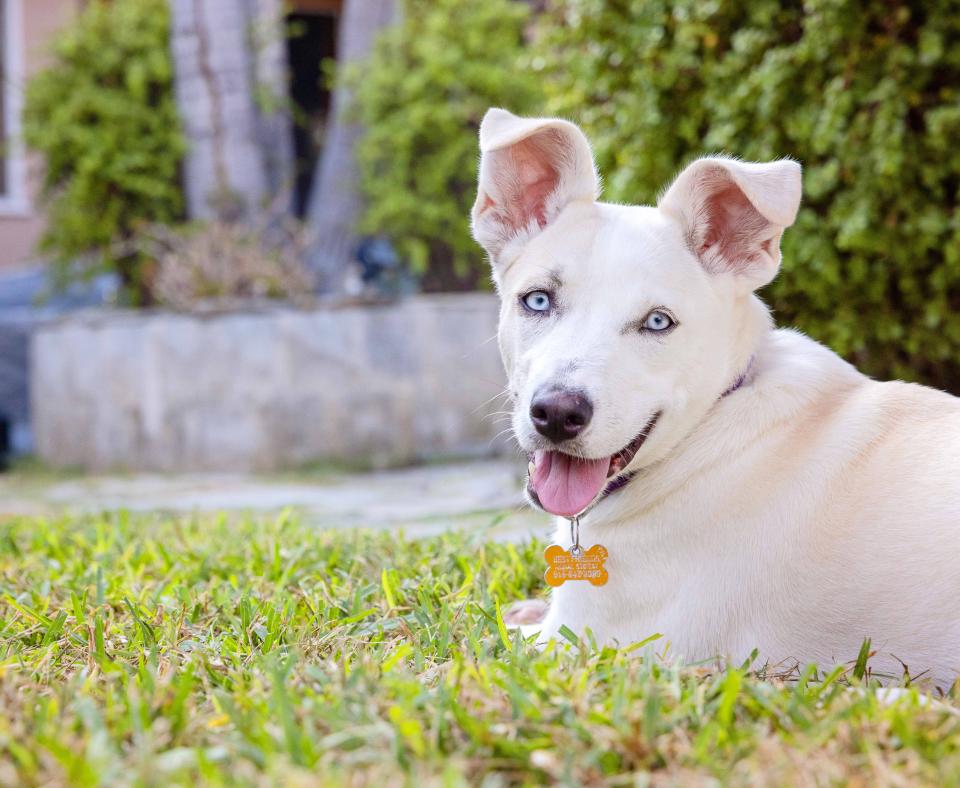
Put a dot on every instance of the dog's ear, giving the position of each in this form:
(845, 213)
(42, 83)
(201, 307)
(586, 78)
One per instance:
(530, 169)
(733, 213)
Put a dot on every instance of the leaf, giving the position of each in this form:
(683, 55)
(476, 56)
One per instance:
(502, 628)
(860, 667)
(387, 589)
(569, 634)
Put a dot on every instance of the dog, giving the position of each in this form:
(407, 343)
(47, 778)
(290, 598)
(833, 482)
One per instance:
(752, 489)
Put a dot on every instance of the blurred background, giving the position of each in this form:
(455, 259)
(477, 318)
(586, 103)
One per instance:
(234, 233)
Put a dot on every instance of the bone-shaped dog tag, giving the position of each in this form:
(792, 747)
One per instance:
(575, 564)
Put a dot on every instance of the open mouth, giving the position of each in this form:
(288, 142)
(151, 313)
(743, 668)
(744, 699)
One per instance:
(565, 485)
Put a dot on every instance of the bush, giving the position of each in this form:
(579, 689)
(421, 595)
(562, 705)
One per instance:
(865, 94)
(421, 98)
(217, 265)
(105, 118)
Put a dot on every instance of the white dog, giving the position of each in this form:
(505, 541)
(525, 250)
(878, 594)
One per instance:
(753, 489)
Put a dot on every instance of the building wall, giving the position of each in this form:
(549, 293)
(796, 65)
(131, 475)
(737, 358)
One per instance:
(30, 27)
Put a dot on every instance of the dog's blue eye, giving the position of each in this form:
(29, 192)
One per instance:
(658, 321)
(537, 301)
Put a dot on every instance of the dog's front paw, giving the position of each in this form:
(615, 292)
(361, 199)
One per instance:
(526, 613)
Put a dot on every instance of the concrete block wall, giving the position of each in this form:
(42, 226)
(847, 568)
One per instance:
(268, 389)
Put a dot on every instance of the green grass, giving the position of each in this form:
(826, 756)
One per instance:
(158, 651)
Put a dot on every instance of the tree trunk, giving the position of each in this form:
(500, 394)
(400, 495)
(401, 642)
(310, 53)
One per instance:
(221, 64)
(335, 204)
(272, 101)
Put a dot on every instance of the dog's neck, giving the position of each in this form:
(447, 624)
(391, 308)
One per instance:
(622, 481)
(755, 326)
(741, 379)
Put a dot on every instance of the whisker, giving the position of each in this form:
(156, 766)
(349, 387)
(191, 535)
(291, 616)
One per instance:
(500, 434)
(503, 393)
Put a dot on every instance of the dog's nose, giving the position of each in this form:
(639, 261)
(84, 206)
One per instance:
(560, 415)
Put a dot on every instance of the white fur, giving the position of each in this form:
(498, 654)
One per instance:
(809, 509)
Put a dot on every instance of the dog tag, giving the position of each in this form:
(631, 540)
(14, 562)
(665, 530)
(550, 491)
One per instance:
(575, 564)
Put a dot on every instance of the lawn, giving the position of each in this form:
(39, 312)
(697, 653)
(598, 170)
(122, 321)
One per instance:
(158, 651)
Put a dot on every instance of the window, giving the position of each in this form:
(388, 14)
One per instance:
(12, 167)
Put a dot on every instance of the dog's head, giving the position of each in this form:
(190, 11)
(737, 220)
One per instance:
(620, 326)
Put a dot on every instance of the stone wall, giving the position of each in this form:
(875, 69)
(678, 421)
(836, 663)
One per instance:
(268, 389)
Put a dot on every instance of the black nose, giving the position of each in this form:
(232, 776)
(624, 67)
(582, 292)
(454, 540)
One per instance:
(560, 415)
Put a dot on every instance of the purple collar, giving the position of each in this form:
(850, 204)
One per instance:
(618, 484)
(622, 481)
(740, 380)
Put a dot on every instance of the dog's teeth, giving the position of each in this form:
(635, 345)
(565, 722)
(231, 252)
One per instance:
(530, 468)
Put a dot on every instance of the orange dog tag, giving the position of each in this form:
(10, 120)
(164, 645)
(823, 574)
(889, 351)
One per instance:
(575, 564)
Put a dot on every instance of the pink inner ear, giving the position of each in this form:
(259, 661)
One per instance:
(537, 180)
(487, 203)
(526, 179)
(736, 235)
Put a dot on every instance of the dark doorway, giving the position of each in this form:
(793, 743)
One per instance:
(312, 40)
(4, 442)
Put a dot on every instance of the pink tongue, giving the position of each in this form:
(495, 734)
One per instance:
(565, 484)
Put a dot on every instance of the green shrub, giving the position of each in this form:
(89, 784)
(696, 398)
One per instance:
(421, 98)
(865, 94)
(105, 119)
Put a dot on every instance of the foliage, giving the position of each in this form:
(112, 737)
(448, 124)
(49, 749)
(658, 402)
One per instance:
(103, 115)
(865, 94)
(420, 98)
(159, 651)
(218, 263)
